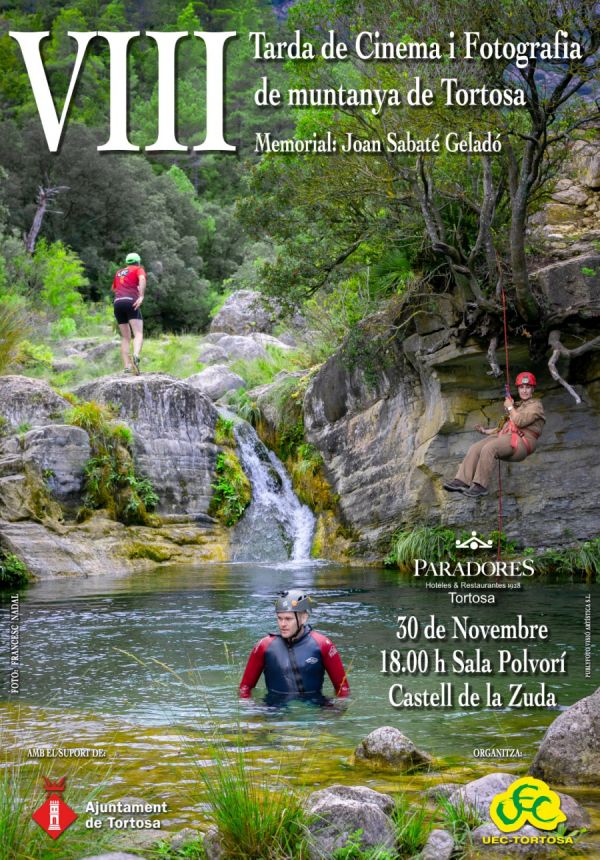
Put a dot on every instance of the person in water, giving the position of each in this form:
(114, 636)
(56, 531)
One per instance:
(515, 440)
(295, 660)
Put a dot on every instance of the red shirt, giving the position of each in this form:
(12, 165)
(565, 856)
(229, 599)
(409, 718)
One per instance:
(126, 281)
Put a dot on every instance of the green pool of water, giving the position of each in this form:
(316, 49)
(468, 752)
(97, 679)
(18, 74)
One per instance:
(145, 670)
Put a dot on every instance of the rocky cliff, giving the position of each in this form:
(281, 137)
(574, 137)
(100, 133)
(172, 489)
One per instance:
(173, 430)
(388, 447)
(392, 424)
(42, 463)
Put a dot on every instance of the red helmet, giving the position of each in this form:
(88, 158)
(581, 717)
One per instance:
(526, 378)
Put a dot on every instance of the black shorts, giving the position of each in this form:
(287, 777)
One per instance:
(124, 311)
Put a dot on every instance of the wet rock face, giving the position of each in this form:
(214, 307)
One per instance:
(570, 750)
(339, 811)
(388, 449)
(388, 747)
(101, 545)
(61, 452)
(244, 312)
(29, 401)
(173, 426)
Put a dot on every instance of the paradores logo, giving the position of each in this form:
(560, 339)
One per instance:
(468, 567)
(527, 801)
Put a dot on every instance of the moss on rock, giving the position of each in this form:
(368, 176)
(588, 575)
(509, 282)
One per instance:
(111, 481)
(232, 489)
(153, 552)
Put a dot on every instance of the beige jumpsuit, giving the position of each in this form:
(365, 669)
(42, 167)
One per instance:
(528, 415)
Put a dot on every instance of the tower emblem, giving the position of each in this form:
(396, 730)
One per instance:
(54, 816)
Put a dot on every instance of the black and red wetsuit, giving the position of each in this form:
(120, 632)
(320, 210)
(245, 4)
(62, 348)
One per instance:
(295, 668)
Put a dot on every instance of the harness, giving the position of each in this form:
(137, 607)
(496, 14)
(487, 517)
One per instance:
(519, 433)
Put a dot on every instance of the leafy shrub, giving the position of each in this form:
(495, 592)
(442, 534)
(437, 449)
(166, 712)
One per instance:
(353, 850)
(572, 561)
(13, 573)
(244, 406)
(224, 432)
(110, 478)
(433, 543)
(62, 278)
(13, 328)
(63, 328)
(232, 490)
(32, 354)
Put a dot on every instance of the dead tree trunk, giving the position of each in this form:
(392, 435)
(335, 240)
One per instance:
(44, 198)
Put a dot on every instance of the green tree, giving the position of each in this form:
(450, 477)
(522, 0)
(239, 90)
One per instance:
(461, 218)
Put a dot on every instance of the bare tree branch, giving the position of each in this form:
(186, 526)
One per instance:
(559, 349)
(491, 356)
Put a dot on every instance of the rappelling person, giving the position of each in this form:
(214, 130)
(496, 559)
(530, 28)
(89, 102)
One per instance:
(129, 286)
(295, 660)
(514, 440)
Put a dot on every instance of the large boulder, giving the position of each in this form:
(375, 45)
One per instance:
(570, 750)
(388, 747)
(243, 312)
(21, 492)
(34, 464)
(439, 846)
(211, 353)
(339, 811)
(240, 347)
(173, 425)
(29, 402)
(506, 847)
(571, 286)
(479, 794)
(215, 381)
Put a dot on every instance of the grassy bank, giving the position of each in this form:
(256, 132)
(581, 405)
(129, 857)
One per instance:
(436, 544)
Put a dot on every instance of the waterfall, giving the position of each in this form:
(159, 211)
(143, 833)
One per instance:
(275, 526)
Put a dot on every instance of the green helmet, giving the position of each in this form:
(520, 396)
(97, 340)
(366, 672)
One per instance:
(133, 258)
(294, 600)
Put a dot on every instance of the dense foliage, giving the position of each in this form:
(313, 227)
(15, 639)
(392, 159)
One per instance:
(175, 209)
(357, 223)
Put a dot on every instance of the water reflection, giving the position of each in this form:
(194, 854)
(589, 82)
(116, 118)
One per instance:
(147, 668)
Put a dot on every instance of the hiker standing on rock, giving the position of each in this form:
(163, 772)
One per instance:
(512, 442)
(129, 286)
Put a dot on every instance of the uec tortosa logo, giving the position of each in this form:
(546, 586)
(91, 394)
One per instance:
(527, 801)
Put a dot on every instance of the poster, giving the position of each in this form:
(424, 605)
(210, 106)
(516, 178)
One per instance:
(416, 195)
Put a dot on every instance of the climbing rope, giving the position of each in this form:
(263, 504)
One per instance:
(506, 394)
